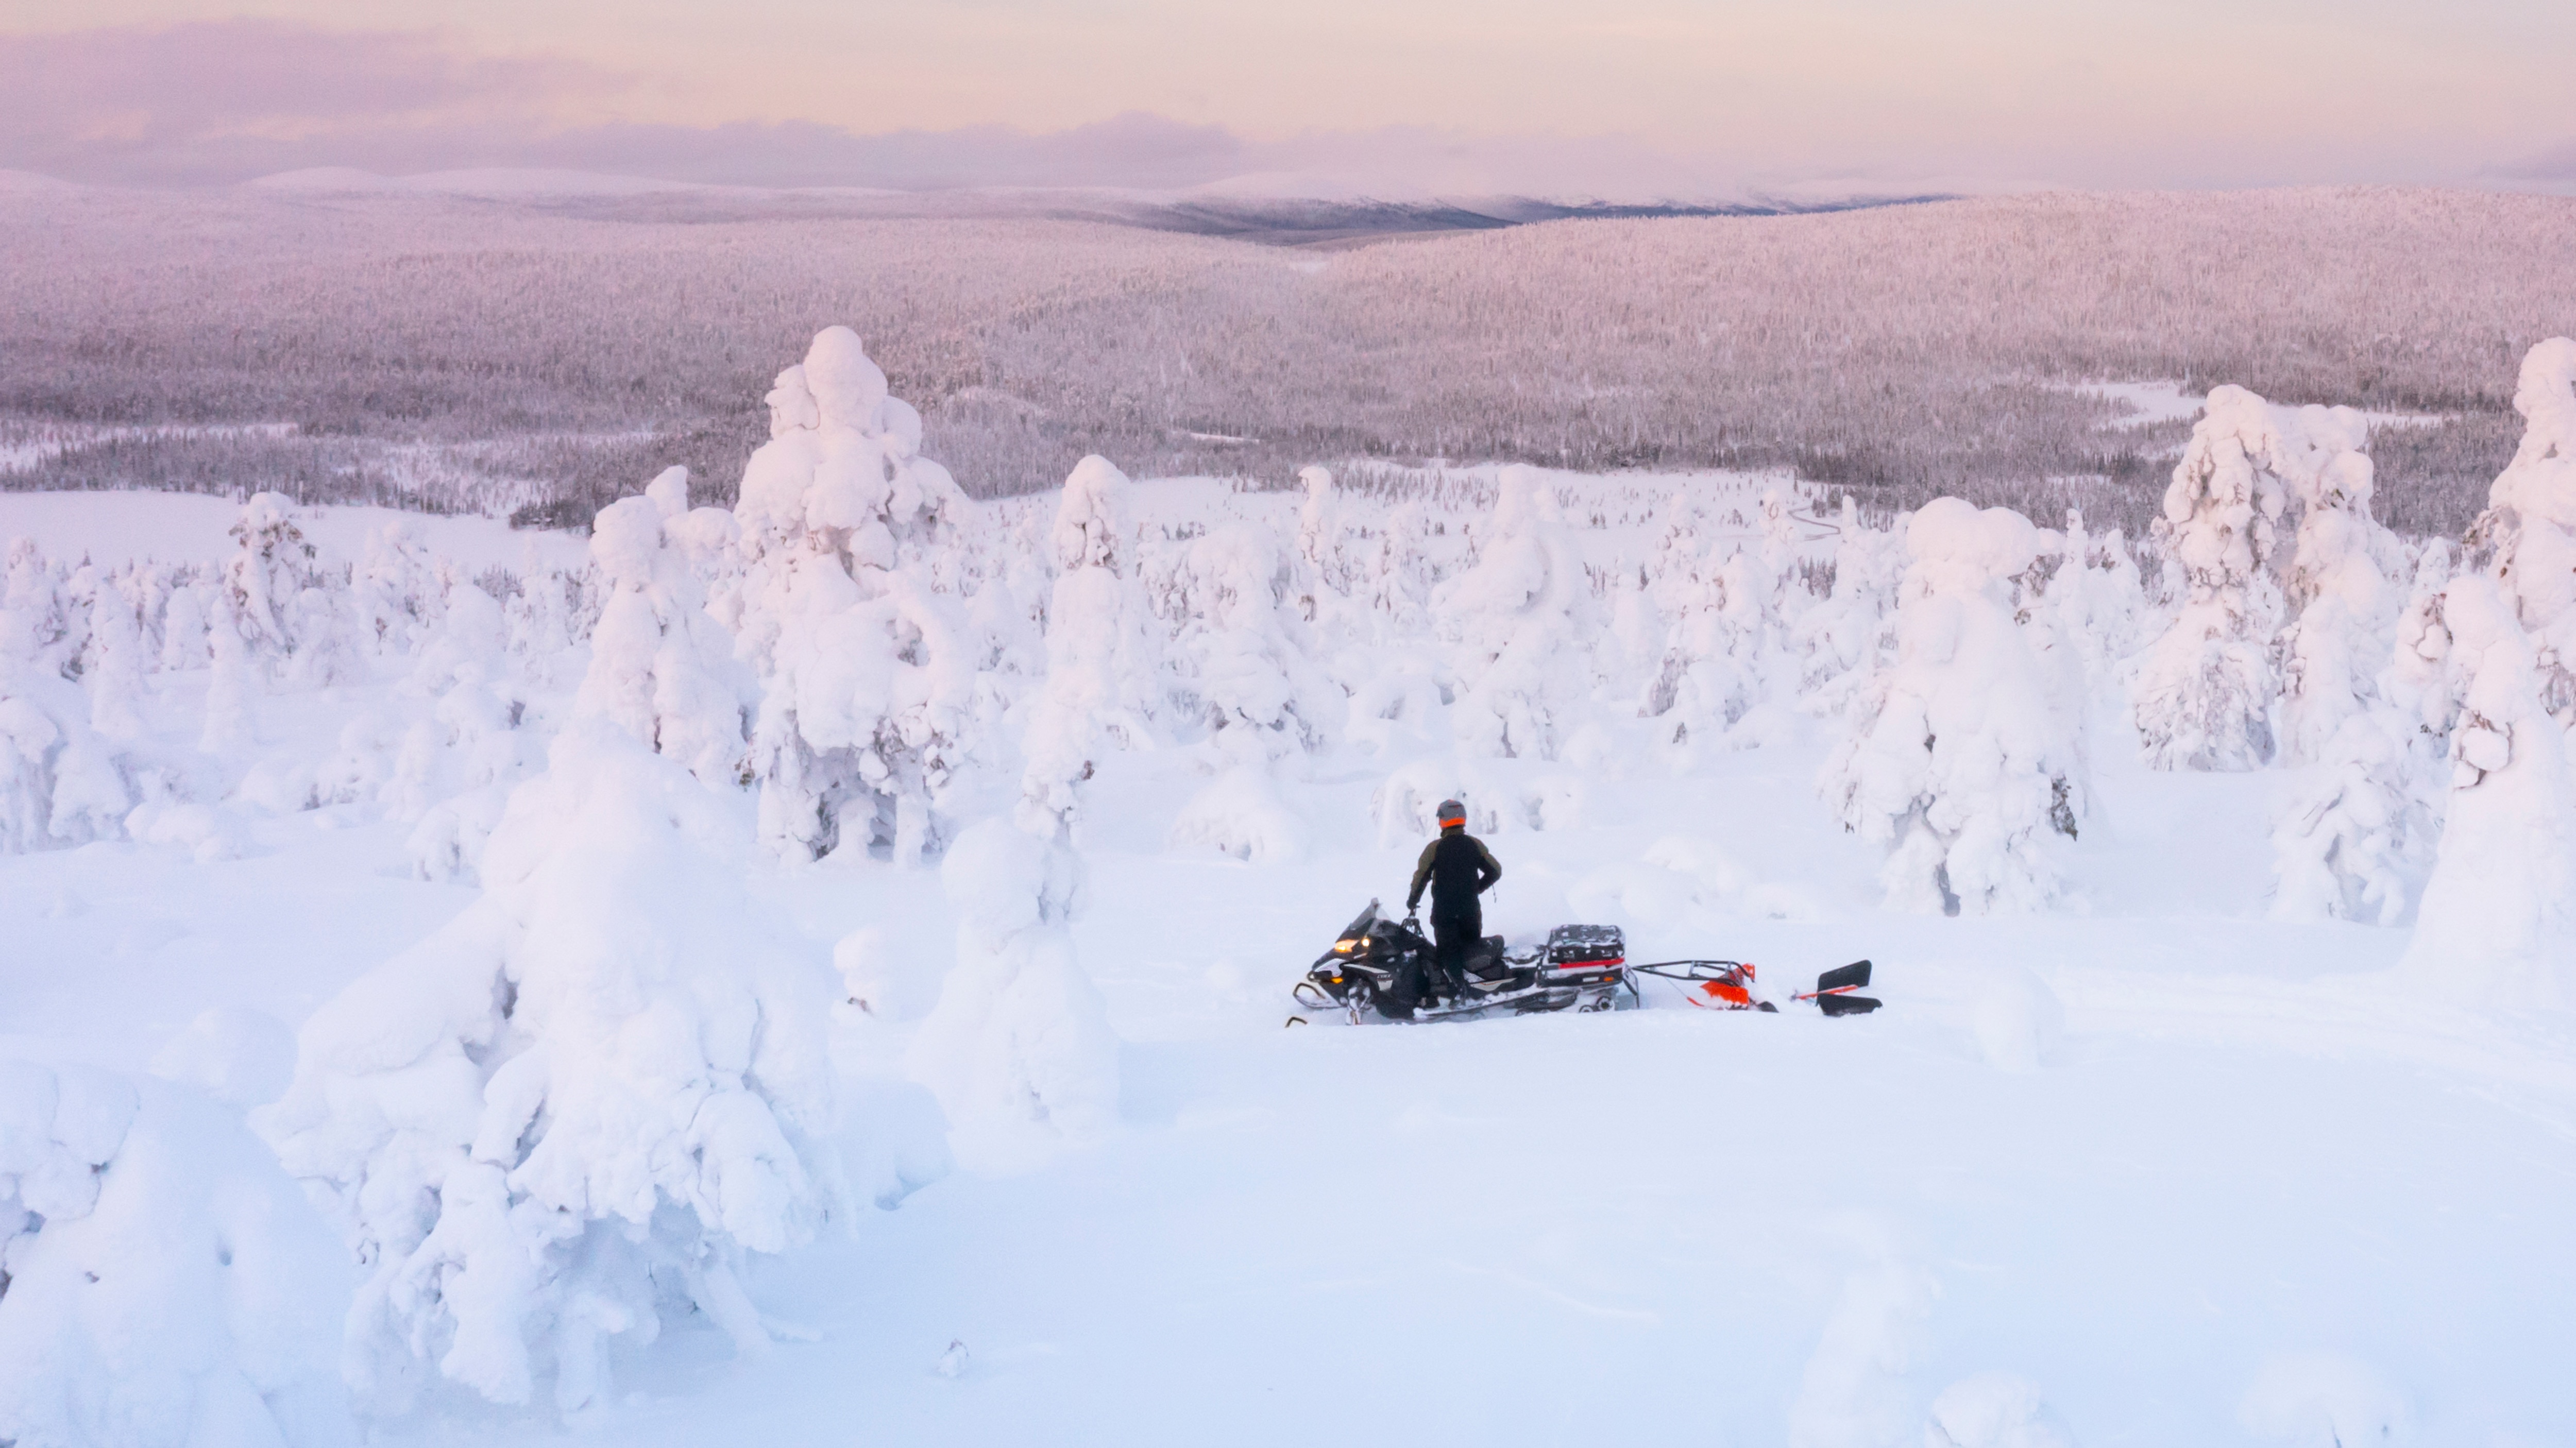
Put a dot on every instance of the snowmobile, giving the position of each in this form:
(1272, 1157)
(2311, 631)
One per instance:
(1581, 967)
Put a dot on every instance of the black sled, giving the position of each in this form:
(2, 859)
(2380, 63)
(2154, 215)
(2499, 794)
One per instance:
(1833, 992)
(1580, 968)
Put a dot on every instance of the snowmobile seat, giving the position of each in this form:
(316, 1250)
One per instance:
(1485, 959)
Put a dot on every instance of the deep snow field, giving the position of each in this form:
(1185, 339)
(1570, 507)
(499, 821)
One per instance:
(2140, 1164)
(2254, 1151)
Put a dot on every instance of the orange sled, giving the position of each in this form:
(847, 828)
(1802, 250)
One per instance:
(1727, 985)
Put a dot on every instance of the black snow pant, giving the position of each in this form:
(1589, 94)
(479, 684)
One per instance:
(1446, 972)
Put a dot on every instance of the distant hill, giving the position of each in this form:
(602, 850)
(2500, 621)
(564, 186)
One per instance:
(1280, 210)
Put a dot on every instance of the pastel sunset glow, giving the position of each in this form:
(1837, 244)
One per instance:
(1645, 98)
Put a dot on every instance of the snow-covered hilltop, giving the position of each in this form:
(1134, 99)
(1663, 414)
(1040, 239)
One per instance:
(676, 997)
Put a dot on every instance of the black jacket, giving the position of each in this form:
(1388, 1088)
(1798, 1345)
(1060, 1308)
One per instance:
(1458, 868)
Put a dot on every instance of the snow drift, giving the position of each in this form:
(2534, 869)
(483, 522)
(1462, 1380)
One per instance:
(162, 1283)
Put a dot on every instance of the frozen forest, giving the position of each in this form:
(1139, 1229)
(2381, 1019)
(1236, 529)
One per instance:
(685, 939)
(485, 355)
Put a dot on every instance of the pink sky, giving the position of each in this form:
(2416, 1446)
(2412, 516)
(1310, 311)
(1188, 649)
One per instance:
(1609, 97)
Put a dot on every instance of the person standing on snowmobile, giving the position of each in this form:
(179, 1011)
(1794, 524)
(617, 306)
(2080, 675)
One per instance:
(1457, 868)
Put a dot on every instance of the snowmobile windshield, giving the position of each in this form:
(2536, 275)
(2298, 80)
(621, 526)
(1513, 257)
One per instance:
(1360, 927)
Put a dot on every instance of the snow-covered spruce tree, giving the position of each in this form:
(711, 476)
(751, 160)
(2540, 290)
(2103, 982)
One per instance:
(114, 678)
(455, 769)
(1959, 760)
(1019, 1050)
(659, 665)
(2351, 844)
(148, 587)
(1006, 629)
(2091, 603)
(710, 539)
(2339, 589)
(1395, 701)
(468, 645)
(2527, 536)
(2352, 841)
(2203, 698)
(360, 766)
(1027, 564)
(33, 612)
(1103, 648)
(1721, 652)
(1167, 580)
(2498, 920)
(1518, 627)
(582, 1102)
(268, 569)
(183, 629)
(1681, 550)
(394, 593)
(542, 623)
(1395, 587)
(1634, 658)
(60, 784)
(328, 649)
(2358, 836)
(77, 649)
(1392, 674)
(1263, 694)
(2375, 803)
(866, 666)
(1783, 551)
(1841, 640)
(1265, 699)
(232, 681)
(2417, 681)
(1322, 567)
(165, 1285)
